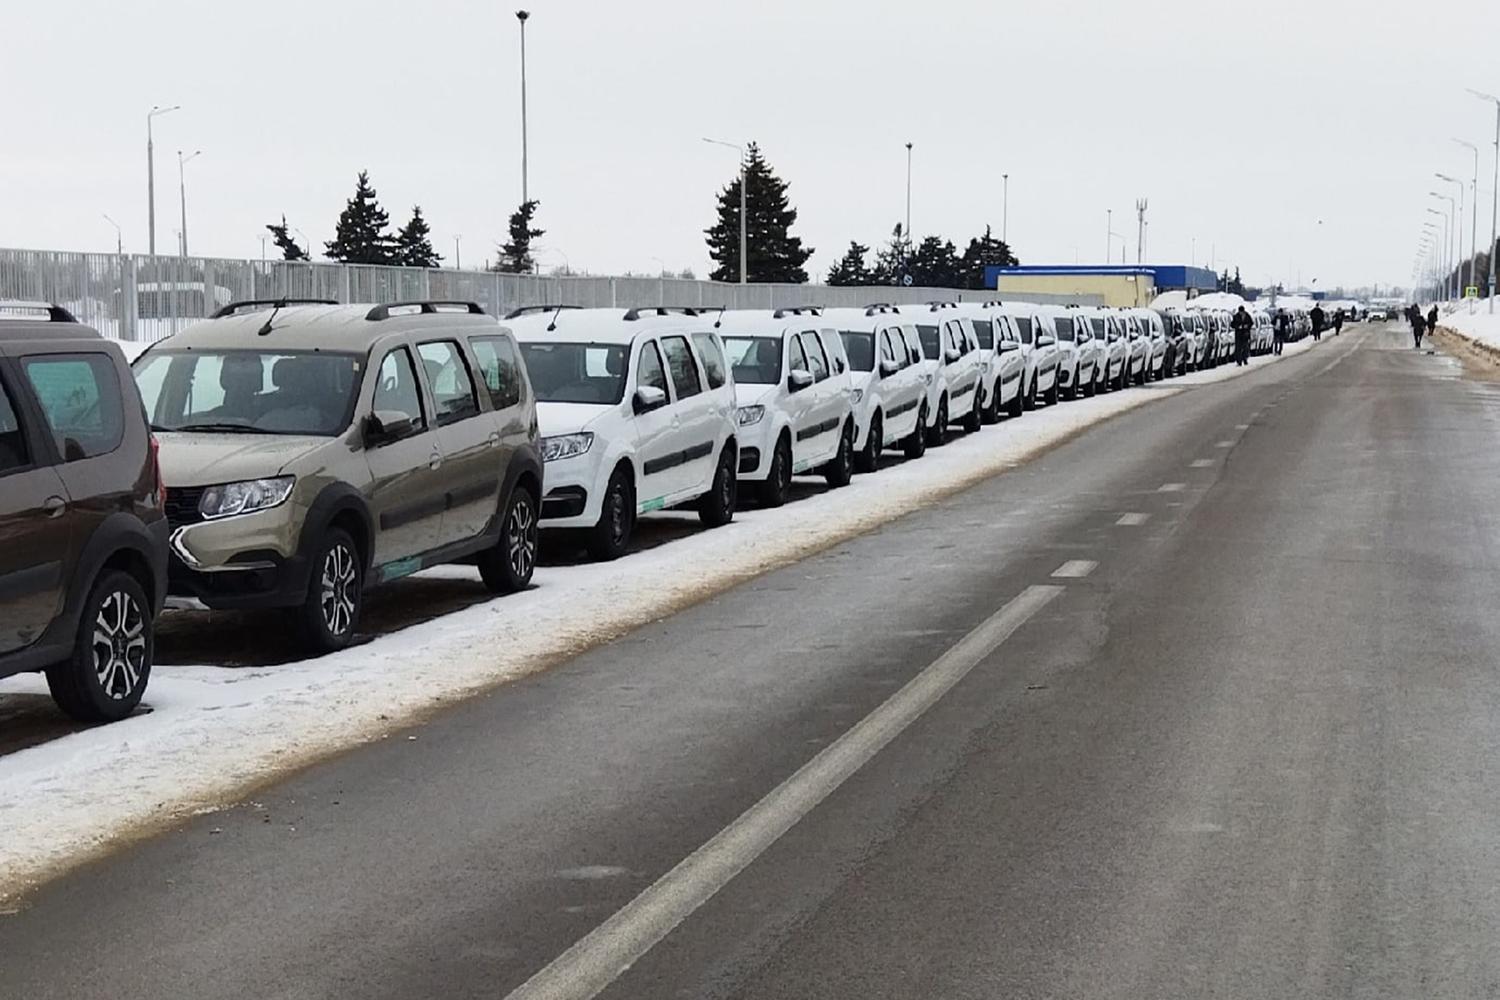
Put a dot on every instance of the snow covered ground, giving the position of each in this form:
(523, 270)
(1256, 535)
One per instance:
(1476, 323)
(213, 733)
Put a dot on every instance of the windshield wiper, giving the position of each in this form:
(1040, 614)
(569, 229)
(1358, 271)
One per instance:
(221, 427)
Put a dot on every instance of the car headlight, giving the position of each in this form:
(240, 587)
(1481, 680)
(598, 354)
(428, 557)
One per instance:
(858, 396)
(244, 497)
(566, 446)
(747, 415)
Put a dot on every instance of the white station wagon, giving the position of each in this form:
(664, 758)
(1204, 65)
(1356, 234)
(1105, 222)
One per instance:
(887, 385)
(637, 413)
(948, 343)
(794, 401)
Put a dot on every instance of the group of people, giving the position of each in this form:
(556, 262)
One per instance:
(1420, 324)
(1243, 324)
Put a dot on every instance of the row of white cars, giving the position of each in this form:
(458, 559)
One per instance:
(639, 408)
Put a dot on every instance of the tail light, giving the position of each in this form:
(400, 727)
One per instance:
(161, 487)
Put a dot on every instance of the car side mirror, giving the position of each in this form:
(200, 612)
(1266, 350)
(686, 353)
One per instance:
(1009, 345)
(385, 426)
(647, 398)
(798, 380)
(1045, 341)
(888, 367)
(951, 356)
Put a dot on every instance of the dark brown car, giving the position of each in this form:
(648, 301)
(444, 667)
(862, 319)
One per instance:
(83, 536)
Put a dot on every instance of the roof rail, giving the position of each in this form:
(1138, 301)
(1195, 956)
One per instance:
(245, 304)
(537, 310)
(936, 304)
(425, 307)
(633, 314)
(786, 311)
(880, 307)
(55, 313)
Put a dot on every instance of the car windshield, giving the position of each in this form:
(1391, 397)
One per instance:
(929, 337)
(576, 373)
(249, 392)
(861, 349)
(755, 360)
(1064, 326)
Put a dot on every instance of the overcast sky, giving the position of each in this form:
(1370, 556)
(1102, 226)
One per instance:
(1244, 124)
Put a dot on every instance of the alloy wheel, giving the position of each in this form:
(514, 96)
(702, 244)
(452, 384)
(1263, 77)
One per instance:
(521, 536)
(119, 645)
(338, 583)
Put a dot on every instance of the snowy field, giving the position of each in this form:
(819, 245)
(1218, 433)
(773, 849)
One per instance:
(213, 733)
(1478, 323)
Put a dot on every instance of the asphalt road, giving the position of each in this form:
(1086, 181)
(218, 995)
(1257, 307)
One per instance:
(1244, 748)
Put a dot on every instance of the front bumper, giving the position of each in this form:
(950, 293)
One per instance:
(757, 443)
(245, 561)
(575, 492)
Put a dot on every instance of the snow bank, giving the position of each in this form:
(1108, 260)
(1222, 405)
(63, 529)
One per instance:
(1479, 325)
(213, 733)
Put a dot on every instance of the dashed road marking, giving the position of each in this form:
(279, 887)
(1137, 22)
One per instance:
(1224, 444)
(1131, 520)
(1202, 463)
(605, 953)
(1242, 427)
(1075, 569)
(1172, 487)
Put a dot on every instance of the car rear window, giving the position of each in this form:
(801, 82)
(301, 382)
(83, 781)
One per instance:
(713, 359)
(13, 451)
(80, 399)
(860, 347)
(501, 370)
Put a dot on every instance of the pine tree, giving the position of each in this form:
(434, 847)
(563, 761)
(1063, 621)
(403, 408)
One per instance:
(515, 256)
(936, 264)
(982, 252)
(362, 234)
(414, 243)
(893, 262)
(852, 269)
(284, 242)
(773, 253)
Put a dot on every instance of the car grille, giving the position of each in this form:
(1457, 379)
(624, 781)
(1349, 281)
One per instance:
(182, 505)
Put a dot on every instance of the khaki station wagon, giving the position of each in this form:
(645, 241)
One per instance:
(311, 450)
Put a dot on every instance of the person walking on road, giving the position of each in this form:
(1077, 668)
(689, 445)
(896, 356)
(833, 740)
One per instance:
(1241, 325)
(1283, 330)
(1317, 318)
(1414, 317)
(1432, 318)
(1338, 322)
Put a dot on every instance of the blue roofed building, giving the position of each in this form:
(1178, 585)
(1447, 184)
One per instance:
(1116, 284)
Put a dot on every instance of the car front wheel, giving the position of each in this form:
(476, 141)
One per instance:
(839, 471)
(609, 538)
(335, 593)
(716, 507)
(868, 459)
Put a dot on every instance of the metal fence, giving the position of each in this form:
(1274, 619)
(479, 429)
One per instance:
(144, 298)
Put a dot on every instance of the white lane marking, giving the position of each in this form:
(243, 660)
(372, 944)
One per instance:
(1202, 463)
(1075, 569)
(1172, 488)
(1242, 427)
(602, 955)
(1130, 520)
(1224, 444)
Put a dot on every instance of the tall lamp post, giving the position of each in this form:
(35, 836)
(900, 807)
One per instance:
(156, 109)
(1496, 190)
(182, 162)
(1444, 237)
(522, 15)
(458, 261)
(119, 236)
(1458, 232)
(1447, 234)
(744, 230)
(1005, 212)
(1473, 211)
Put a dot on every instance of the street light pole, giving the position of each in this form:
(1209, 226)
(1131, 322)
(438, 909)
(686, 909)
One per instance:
(119, 236)
(522, 15)
(907, 231)
(1109, 232)
(1458, 232)
(1473, 213)
(182, 163)
(156, 109)
(1005, 213)
(744, 227)
(458, 261)
(1442, 255)
(1495, 192)
(1447, 235)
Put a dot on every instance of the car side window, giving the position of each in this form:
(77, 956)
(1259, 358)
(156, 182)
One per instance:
(817, 361)
(649, 370)
(14, 454)
(81, 401)
(984, 331)
(1024, 325)
(713, 359)
(396, 388)
(796, 356)
(680, 363)
(913, 344)
(500, 367)
(449, 379)
(888, 351)
(834, 347)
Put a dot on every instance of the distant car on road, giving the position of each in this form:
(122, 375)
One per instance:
(83, 567)
(1378, 314)
(313, 450)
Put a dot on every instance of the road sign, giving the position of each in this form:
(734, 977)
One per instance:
(1471, 292)
(906, 280)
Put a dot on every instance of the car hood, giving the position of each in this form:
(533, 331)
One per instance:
(753, 393)
(194, 459)
(570, 418)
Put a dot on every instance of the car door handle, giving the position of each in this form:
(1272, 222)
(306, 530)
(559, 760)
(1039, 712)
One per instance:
(435, 460)
(495, 440)
(54, 506)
